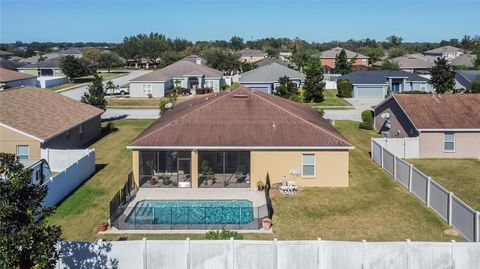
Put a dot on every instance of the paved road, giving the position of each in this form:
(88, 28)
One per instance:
(78, 92)
(127, 113)
(352, 114)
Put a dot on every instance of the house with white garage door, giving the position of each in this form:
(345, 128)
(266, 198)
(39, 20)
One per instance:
(265, 78)
(377, 84)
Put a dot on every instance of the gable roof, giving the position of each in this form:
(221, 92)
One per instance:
(444, 49)
(380, 76)
(332, 53)
(268, 61)
(441, 111)
(179, 69)
(9, 64)
(5, 53)
(47, 63)
(464, 59)
(270, 73)
(246, 52)
(413, 61)
(466, 77)
(240, 118)
(71, 51)
(9, 75)
(193, 58)
(43, 113)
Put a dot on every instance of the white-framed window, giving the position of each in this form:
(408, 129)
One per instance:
(23, 152)
(449, 141)
(209, 84)
(364, 61)
(308, 165)
(147, 89)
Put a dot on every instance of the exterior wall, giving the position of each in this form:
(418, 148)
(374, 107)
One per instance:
(46, 82)
(467, 145)
(9, 140)
(194, 169)
(23, 82)
(136, 167)
(91, 130)
(331, 62)
(400, 125)
(158, 89)
(331, 167)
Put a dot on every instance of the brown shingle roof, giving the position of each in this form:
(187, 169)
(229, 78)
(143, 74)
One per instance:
(441, 111)
(9, 75)
(332, 53)
(240, 118)
(42, 113)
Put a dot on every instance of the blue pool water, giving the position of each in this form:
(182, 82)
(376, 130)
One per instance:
(192, 212)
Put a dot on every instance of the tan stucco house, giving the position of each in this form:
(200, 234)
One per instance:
(447, 125)
(32, 119)
(233, 139)
(248, 55)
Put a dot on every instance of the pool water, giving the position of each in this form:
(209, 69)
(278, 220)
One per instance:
(192, 212)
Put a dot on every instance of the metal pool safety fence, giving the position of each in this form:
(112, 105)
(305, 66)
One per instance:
(453, 210)
(237, 254)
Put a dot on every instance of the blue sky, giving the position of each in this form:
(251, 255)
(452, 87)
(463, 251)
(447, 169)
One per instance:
(314, 20)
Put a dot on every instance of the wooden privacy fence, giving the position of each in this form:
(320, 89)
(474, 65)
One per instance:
(453, 210)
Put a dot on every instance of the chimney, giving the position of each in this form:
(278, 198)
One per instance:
(198, 60)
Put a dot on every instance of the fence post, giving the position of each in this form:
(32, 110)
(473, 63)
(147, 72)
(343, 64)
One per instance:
(394, 167)
(410, 176)
(364, 254)
(232, 241)
(428, 191)
(452, 254)
(145, 253)
(408, 253)
(319, 253)
(477, 226)
(275, 253)
(189, 259)
(381, 156)
(450, 194)
(405, 147)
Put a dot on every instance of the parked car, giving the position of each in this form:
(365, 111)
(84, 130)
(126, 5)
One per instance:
(115, 90)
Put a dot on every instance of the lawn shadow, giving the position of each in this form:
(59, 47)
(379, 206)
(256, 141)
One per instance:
(105, 131)
(83, 255)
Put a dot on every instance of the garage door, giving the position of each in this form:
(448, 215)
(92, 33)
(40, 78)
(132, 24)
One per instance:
(257, 87)
(369, 92)
(260, 89)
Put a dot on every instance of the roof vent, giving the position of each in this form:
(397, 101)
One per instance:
(240, 96)
(274, 125)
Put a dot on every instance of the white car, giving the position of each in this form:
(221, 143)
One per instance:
(116, 90)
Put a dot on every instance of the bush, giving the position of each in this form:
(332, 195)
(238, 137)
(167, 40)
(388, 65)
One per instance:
(223, 235)
(475, 86)
(367, 120)
(344, 88)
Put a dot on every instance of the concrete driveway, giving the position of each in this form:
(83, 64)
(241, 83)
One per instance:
(352, 114)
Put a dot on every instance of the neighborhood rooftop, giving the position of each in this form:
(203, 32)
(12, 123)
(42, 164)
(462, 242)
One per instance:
(9, 75)
(178, 70)
(240, 118)
(380, 77)
(444, 49)
(252, 53)
(48, 63)
(332, 53)
(412, 61)
(42, 113)
(270, 73)
(441, 111)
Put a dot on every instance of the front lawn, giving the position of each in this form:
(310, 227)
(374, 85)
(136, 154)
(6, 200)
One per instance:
(143, 101)
(460, 176)
(331, 100)
(87, 79)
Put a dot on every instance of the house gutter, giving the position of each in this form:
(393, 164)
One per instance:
(243, 147)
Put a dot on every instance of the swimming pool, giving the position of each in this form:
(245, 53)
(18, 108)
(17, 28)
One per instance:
(192, 212)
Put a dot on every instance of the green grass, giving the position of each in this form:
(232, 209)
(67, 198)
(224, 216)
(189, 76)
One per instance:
(146, 102)
(86, 79)
(331, 99)
(460, 176)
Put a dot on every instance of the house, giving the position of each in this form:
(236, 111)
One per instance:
(6, 54)
(327, 60)
(250, 56)
(448, 52)
(10, 79)
(285, 56)
(49, 72)
(465, 78)
(40, 170)
(447, 125)
(183, 73)
(235, 138)
(268, 61)
(75, 52)
(10, 64)
(32, 119)
(196, 59)
(265, 78)
(464, 60)
(414, 63)
(377, 84)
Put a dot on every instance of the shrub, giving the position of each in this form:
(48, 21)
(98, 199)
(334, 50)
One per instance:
(344, 88)
(223, 235)
(475, 86)
(367, 120)
(320, 111)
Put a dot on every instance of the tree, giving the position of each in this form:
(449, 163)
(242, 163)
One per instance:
(109, 60)
(287, 89)
(222, 59)
(236, 43)
(443, 76)
(73, 67)
(26, 240)
(342, 64)
(396, 52)
(95, 95)
(475, 86)
(314, 84)
(476, 62)
(390, 65)
(394, 41)
(92, 55)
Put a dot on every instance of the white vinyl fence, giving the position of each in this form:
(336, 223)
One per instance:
(405, 148)
(61, 159)
(453, 210)
(239, 254)
(61, 185)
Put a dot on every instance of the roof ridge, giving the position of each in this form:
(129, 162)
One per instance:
(302, 119)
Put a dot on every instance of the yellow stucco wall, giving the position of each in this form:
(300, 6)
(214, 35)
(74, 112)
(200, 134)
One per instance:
(194, 169)
(136, 167)
(9, 140)
(331, 167)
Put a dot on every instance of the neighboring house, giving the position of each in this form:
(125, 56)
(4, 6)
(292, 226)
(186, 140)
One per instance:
(32, 119)
(250, 56)
(185, 73)
(10, 64)
(40, 170)
(465, 60)
(6, 54)
(239, 137)
(268, 61)
(285, 56)
(75, 52)
(414, 63)
(447, 125)
(10, 79)
(448, 52)
(327, 60)
(49, 72)
(377, 84)
(465, 78)
(265, 78)
(195, 59)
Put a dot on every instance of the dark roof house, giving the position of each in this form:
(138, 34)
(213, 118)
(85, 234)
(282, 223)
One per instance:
(265, 78)
(465, 78)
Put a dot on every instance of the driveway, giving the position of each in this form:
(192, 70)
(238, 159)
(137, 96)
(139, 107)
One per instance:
(352, 114)
(77, 93)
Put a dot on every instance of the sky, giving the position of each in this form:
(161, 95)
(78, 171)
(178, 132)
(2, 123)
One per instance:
(311, 20)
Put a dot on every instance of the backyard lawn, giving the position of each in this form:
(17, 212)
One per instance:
(460, 176)
(374, 207)
(142, 102)
(86, 79)
(330, 100)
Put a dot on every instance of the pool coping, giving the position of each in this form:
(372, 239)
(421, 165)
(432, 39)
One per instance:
(113, 230)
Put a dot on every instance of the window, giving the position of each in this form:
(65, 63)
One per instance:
(147, 89)
(449, 141)
(23, 152)
(308, 165)
(209, 84)
(364, 61)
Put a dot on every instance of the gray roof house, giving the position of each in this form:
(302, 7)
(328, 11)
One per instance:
(75, 52)
(48, 67)
(377, 84)
(414, 63)
(184, 74)
(449, 52)
(265, 78)
(465, 78)
(464, 60)
(251, 55)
